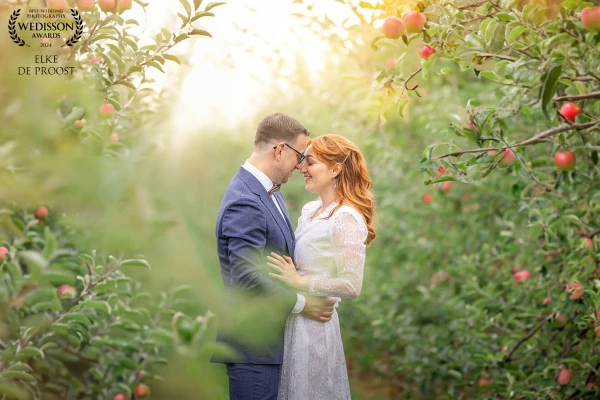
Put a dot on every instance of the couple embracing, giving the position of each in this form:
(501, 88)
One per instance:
(282, 287)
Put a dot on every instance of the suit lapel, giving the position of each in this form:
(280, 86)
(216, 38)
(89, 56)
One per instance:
(287, 219)
(259, 190)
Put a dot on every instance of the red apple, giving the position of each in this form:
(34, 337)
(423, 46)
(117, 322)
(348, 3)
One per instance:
(426, 51)
(561, 320)
(79, 124)
(492, 153)
(508, 158)
(576, 291)
(565, 161)
(446, 186)
(108, 5)
(546, 301)
(97, 59)
(114, 137)
(564, 376)
(522, 276)
(393, 28)
(124, 5)
(107, 110)
(120, 396)
(592, 385)
(66, 292)
(590, 18)
(569, 111)
(41, 212)
(390, 62)
(3, 253)
(141, 390)
(86, 5)
(587, 242)
(504, 349)
(414, 21)
(427, 198)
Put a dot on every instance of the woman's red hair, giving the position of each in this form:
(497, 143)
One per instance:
(353, 185)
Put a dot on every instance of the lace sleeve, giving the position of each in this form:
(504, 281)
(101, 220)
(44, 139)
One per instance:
(349, 236)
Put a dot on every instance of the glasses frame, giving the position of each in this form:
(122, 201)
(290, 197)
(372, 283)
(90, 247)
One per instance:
(302, 156)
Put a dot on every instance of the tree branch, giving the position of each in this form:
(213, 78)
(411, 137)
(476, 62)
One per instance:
(529, 335)
(500, 56)
(592, 95)
(557, 130)
(410, 77)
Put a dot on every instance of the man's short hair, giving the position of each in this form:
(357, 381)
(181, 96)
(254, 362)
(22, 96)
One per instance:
(278, 127)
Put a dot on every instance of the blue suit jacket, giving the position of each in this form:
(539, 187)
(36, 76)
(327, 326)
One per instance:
(255, 307)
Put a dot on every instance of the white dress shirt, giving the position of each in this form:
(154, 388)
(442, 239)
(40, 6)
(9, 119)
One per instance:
(268, 184)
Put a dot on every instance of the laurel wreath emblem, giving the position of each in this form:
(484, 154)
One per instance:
(12, 28)
(78, 29)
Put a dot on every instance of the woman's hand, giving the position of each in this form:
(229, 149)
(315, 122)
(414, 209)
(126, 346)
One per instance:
(286, 272)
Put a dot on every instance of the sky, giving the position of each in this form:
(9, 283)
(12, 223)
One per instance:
(228, 73)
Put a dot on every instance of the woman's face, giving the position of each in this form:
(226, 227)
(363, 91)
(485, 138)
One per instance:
(317, 175)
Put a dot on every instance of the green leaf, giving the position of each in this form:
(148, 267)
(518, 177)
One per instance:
(156, 65)
(130, 43)
(364, 4)
(184, 19)
(401, 105)
(202, 14)
(50, 243)
(28, 352)
(135, 68)
(491, 75)
(132, 22)
(200, 32)
(116, 18)
(135, 263)
(14, 271)
(18, 375)
(549, 82)
(181, 37)
(197, 4)
(58, 276)
(128, 84)
(98, 305)
(515, 33)
(12, 391)
(210, 6)
(186, 5)
(172, 58)
(19, 366)
(75, 316)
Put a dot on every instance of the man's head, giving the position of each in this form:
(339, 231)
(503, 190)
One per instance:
(279, 145)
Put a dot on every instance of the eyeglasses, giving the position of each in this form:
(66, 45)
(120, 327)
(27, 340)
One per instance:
(299, 155)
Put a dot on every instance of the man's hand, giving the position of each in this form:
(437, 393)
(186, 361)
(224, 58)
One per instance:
(318, 308)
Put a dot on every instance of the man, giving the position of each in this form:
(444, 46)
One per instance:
(252, 222)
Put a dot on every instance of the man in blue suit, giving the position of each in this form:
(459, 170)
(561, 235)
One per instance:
(253, 222)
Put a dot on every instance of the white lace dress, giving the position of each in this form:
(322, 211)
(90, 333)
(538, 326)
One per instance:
(332, 252)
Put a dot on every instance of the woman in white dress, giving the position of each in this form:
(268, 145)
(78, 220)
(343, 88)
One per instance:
(331, 238)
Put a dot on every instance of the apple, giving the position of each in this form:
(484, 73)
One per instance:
(390, 62)
(492, 153)
(504, 349)
(58, 4)
(508, 158)
(522, 276)
(114, 137)
(446, 186)
(590, 18)
(414, 21)
(86, 5)
(564, 376)
(139, 375)
(592, 385)
(427, 198)
(587, 242)
(97, 59)
(41, 212)
(3, 253)
(565, 161)
(576, 291)
(107, 110)
(393, 27)
(79, 124)
(569, 111)
(108, 5)
(546, 301)
(561, 320)
(124, 5)
(141, 390)
(426, 51)
(120, 396)
(66, 292)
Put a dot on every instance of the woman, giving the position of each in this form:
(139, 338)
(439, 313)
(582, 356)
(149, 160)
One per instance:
(331, 238)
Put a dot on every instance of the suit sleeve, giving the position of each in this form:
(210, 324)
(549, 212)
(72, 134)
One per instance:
(245, 227)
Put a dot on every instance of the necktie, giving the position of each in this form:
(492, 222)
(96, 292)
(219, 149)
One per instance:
(274, 189)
